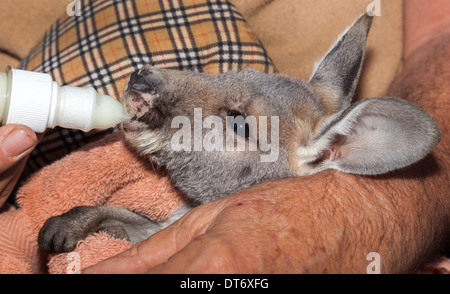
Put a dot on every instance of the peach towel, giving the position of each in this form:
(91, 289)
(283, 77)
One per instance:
(104, 173)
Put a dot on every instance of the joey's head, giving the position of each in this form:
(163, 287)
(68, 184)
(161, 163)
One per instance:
(216, 134)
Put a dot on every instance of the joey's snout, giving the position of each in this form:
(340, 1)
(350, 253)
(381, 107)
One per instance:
(141, 101)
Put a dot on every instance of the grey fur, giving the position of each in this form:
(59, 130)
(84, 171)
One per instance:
(318, 130)
(62, 233)
(339, 70)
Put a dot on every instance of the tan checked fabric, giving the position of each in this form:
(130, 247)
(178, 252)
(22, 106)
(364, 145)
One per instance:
(110, 39)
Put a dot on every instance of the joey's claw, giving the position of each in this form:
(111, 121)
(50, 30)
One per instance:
(54, 238)
(62, 233)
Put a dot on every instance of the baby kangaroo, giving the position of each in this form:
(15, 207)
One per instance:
(287, 127)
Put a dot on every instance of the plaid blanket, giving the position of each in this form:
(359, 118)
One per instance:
(110, 39)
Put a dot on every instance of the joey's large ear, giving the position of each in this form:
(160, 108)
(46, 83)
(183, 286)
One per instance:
(372, 136)
(336, 75)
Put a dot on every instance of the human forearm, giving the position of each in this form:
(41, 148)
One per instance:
(406, 213)
(404, 216)
(424, 20)
(335, 220)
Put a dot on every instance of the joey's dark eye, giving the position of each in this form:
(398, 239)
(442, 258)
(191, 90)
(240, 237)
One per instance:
(236, 121)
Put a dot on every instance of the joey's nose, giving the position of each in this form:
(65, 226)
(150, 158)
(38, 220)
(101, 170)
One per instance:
(141, 83)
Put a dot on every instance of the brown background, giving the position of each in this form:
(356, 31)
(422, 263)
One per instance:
(294, 32)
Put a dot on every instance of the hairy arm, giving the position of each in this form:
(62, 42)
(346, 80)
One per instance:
(331, 221)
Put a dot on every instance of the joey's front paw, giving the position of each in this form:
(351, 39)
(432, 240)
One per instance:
(61, 233)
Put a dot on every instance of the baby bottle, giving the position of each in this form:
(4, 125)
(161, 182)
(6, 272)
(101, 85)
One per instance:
(35, 100)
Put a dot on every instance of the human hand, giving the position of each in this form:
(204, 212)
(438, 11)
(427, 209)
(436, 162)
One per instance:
(220, 237)
(285, 226)
(17, 142)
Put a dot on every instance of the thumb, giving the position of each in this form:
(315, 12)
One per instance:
(162, 245)
(141, 257)
(16, 142)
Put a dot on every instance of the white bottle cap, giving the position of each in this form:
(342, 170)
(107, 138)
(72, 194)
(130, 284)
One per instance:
(31, 97)
(38, 102)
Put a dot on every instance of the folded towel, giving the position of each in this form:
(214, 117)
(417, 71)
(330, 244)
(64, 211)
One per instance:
(18, 251)
(103, 173)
